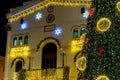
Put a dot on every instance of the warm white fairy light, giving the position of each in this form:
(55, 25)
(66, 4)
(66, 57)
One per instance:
(40, 6)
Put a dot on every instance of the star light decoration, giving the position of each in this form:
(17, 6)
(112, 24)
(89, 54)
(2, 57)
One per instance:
(38, 16)
(86, 14)
(23, 25)
(58, 31)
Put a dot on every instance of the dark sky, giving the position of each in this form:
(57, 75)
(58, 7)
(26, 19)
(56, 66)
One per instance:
(5, 5)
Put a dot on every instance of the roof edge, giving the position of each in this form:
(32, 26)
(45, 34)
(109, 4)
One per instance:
(40, 4)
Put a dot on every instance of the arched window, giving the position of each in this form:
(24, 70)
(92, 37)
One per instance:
(26, 40)
(18, 66)
(20, 41)
(82, 30)
(75, 33)
(82, 10)
(15, 41)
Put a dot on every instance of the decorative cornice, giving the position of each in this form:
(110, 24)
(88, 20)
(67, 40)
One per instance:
(46, 3)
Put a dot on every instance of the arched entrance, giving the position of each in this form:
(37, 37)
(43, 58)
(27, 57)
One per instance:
(49, 56)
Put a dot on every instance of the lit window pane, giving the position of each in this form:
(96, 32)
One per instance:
(75, 33)
(82, 30)
(14, 41)
(26, 40)
(20, 41)
(82, 10)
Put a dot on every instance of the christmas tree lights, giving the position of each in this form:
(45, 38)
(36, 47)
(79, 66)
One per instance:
(102, 44)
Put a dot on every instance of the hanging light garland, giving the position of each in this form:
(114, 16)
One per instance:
(46, 3)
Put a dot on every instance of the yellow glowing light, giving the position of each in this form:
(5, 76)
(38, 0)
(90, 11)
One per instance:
(102, 77)
(46, 3)
(22, 51)
(77, 45)
(118, 5)
(81, 63)
(103, 24)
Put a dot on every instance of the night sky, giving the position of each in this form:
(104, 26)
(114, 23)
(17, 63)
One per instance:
(5, 5)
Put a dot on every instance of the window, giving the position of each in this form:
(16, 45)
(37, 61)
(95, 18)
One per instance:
(75, 33)
(20, 41)
(15, 41)
(82, 10)
(82, 30)
(18, 66)
(21, 21)
(26, 40)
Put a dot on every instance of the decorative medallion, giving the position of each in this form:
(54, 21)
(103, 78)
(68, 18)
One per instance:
(102, 77)
(81, 63)
(50, 18)
(103, 24)
(50, 9)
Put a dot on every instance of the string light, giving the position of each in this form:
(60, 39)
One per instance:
(77, 45)
(40, 6)
(22, 51)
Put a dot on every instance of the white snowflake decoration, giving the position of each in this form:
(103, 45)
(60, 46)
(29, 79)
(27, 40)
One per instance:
(38, 16)
(86, 14)
(58, 31)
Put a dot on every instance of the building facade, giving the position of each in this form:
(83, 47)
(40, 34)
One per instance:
(44, 38)
(2, 63)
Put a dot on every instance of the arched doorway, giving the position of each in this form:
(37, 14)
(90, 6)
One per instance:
(49, 56)
(18, 66)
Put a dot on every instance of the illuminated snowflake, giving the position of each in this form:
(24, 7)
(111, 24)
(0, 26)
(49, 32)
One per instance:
(86, 14)
(38, 16)
(23, 25)
(58, 31)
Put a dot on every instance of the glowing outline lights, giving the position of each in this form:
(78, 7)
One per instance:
(102, 77)
(118, 6)
(77, 44)
(81, 63)
(103, 24)
(13, 17)
(22, 51)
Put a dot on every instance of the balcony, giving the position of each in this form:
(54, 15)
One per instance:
(61, 73)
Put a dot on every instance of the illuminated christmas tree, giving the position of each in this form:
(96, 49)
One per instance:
(102, 43)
